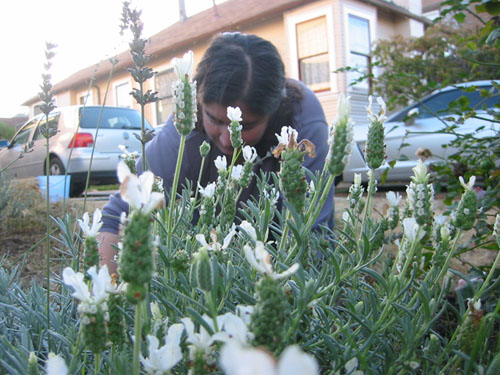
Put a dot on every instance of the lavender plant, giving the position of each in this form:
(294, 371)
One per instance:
(269, 295)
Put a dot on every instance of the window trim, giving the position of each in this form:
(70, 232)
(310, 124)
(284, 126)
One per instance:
(164, 70)
(118, 84)
(363, 13)
(291, 27)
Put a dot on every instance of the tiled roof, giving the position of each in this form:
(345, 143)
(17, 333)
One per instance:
(225, 16)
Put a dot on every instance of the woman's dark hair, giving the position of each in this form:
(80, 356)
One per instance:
(246, 68)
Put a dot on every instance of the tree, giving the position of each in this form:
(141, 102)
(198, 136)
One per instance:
(446, 54)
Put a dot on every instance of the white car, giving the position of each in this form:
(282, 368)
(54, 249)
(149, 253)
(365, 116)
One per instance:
(415, 127)
(74, 134)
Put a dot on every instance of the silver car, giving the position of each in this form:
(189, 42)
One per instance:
(416, 127)
(74, 132)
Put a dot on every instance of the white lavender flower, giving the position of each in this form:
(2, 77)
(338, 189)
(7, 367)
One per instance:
(287, 134)
(249, 229)
(240, 360)
(162, 359)
(249, 153)
(91, 231)
(137, 191)
(381, 117)
(215, 245)
(56, 365)
(412, 229)
(393, 198)
(236, 172)
(183, 66)
(221, 163)
(207, 191)
(260, 259)
(234, 113)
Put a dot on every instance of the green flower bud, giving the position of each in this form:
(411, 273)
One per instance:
(270, 314)
(204, 272)
(136, 258)
(94, 332)
(340, 139)
(235, 132)
(180, 261)
(467, 332)
(247, 174)
(204, 149)
(185, 105)
(432, 347)
(91, 255)
(465, 214)
(292, 178)
(375, 146)
(116, 323)
(135, 293)
(229, 207)
(32, 364)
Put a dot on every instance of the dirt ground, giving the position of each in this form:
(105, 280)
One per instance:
(22, 244)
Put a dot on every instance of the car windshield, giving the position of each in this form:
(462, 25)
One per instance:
(438, 104)
(111, 118)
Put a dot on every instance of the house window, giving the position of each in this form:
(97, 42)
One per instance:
(122, 95)
(359, 50)
(165, 104)
(86, 98)
(312, 53)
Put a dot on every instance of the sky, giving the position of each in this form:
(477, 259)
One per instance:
(86, 32)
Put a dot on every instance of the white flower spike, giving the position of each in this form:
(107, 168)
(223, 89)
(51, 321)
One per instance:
(91, 231)
(162, 359)
(182, 66)
(234, 113)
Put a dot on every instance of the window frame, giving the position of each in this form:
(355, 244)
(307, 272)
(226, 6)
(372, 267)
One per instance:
(369, 15)
(116, 86)
(292, 21)
(166, 70)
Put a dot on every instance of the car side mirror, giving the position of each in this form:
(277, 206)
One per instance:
(4, 143)
(411, 116)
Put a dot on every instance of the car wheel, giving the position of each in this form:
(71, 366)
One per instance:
(56, 168)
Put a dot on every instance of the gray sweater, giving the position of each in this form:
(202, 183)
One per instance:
(162, 153)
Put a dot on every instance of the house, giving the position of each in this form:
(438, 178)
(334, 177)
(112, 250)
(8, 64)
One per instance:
(314, 37)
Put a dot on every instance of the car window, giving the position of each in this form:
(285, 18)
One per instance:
(111, 118)
(438, 104)
(23, 135)
(53, 122)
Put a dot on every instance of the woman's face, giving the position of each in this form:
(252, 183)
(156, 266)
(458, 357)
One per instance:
(216, 122)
